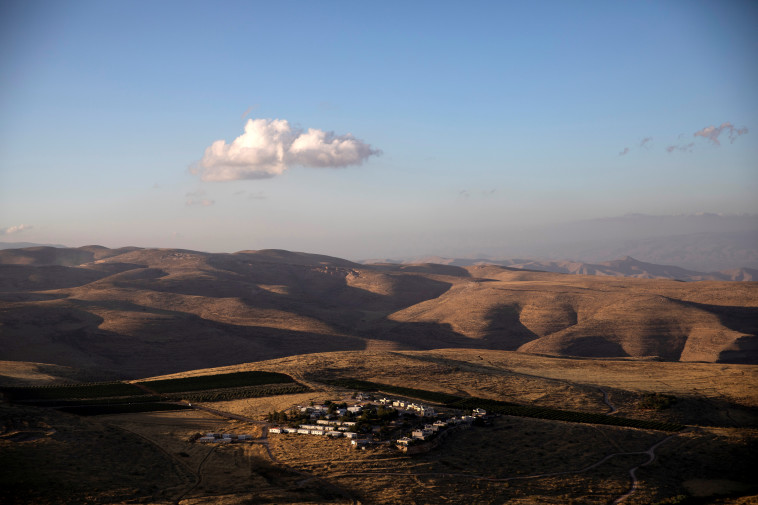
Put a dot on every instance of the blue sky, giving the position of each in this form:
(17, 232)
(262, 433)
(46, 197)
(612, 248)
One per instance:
(491, 117)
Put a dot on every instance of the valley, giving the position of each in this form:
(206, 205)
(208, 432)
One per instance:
(604, 389)
(128, 313)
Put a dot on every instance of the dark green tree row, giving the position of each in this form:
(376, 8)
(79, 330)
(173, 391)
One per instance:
(53, 392)
(217, 381)
(94, 401)
(220, 395)
(127, 408)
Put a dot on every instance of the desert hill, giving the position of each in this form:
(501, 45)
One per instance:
(622, 267)
(142, 312)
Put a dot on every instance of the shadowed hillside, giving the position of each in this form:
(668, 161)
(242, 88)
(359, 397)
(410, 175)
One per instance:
(149, 311)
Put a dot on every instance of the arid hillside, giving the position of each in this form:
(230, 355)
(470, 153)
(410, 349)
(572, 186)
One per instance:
(139, 312)
(623, 267)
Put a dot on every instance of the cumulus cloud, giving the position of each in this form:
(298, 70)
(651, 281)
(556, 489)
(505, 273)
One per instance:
(15, 229)
(624, 152)
(269, 147)
(712, 133)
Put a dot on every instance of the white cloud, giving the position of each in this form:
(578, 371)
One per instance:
(712, 133)
(269, 147)
(15, 229)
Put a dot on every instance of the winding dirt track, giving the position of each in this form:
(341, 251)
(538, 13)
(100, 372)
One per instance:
(606, 400)
(199, 478)
(650, 452)
(195, 473)
(633, 472)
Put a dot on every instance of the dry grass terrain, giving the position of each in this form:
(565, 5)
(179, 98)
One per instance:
(515, 461)
(137, 312)
(572, 342)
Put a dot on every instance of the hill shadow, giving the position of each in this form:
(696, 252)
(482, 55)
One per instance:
(740, 319)
(505, 331)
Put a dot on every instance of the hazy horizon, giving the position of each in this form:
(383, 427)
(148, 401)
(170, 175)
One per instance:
(375, 131)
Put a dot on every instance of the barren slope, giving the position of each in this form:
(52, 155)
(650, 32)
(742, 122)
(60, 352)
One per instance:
(148, 311)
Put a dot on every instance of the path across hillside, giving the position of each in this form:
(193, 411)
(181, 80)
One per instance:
(650, 452)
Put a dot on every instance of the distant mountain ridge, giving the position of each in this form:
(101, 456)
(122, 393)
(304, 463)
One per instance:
(623, 267)
(23, 245)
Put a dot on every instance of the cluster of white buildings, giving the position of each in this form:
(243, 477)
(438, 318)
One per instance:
(431, 429)
(223, 438)
(316, 411)
(333, 429)
(421, 410)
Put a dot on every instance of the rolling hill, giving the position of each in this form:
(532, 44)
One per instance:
(138, 312)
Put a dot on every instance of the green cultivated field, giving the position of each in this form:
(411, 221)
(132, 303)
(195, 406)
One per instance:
(225, 394)
(102, 390)
(122, 408)
(121, 397)
(218, 381)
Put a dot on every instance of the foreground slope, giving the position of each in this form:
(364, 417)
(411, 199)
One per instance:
(140, 312)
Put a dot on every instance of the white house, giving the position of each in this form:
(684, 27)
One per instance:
(422, 434)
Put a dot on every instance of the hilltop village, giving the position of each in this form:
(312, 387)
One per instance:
(408, 426)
